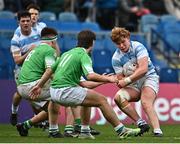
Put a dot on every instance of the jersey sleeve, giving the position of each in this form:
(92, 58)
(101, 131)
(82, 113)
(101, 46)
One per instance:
(15, 46)
(118, 68)
(141, 51)
(49, 58)
(86, 63)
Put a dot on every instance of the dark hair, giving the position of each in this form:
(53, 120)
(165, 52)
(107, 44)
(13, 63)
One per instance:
(85, 38)
(48, 32)
(33, 6)
(23, 14)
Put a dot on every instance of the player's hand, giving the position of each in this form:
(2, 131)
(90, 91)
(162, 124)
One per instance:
(121, 83)
(35, 92)
(113, 79)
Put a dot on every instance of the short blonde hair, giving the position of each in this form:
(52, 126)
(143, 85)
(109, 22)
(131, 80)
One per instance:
(118, 34)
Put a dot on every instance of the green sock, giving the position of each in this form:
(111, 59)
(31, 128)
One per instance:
(27, 124)
(77, 121)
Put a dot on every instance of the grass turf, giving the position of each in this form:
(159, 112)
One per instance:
(8, 134)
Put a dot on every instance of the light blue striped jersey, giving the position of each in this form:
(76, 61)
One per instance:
(136, 51)
(38, 27)
(23, 43)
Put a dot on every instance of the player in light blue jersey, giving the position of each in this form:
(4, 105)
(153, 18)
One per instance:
(138, 79)
(34, 10)
(24, 40)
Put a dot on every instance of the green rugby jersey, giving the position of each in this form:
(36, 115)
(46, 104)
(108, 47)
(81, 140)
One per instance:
(36, 63)
(70, 67)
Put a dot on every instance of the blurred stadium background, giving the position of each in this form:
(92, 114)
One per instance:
(159, 33)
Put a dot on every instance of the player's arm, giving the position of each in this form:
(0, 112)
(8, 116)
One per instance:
(19, 58)
(90, 84)
(101, 78)
(91, 75)
(45, 77)
(141, 69)
(36, 90)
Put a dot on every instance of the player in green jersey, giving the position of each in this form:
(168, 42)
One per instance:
(66, 90)
(34, 66)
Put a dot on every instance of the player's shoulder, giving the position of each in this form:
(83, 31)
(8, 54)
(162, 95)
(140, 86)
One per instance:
(41, 24)
(79, 50)
(17, 31)
(136, 43)
(116, 54)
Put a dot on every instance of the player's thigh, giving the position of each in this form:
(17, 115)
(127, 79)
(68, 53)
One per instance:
(150, 89)
(68, 96)
(23, 90)
(148, 95)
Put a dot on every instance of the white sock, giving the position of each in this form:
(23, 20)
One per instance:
(14, 109)
(85, 128)
(140, 122)
(119, 128)
(53, 128)
(158, 130)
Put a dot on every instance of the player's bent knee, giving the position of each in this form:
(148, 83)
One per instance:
(121, 96)
(124, 95)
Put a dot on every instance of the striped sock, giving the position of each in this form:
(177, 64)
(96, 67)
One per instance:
(85, 129)
(119, 128)
(140, 122)
(69, 128)
(53, 128)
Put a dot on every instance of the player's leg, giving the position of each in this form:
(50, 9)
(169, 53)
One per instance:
(85, 128)
(98, 100)
(15, 101)
(73, 117)
(26, 125)
(53, 111)
(78, 127)
(69, 127)
(14, 108)
(84, 97)
(122, 99)
(148, 97)
(37, 107)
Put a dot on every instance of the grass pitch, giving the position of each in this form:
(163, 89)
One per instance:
(8, 134)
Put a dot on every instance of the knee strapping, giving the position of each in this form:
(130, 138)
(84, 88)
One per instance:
(123, 98)
(123, 95)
